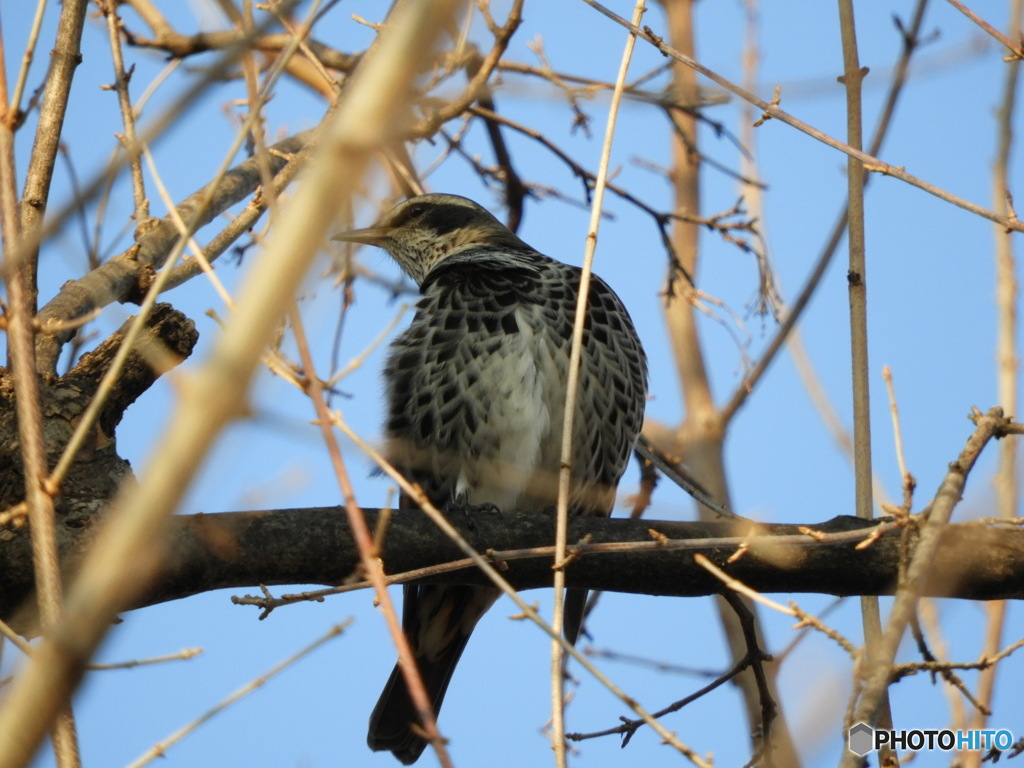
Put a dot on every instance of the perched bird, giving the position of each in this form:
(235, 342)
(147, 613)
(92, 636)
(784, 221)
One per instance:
(476, 392)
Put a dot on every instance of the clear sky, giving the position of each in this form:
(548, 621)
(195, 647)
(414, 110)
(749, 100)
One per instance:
(931, 282)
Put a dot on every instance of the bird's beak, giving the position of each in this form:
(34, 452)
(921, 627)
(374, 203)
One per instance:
(368, 236)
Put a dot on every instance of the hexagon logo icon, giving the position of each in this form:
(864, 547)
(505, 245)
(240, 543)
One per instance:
(861, 739)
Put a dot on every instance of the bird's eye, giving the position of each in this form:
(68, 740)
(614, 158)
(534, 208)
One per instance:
(417, 210)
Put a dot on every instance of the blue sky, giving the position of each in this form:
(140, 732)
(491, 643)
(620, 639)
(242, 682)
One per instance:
(931, 319)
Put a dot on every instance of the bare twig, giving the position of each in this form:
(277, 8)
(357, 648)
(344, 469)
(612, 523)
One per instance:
(64, 60)
(15, 638)
(245, 220)
(659, 544)
(1016, 49)
(106, 385)
(944, 671)
(630, 727)
(699, 440)
(173, 112)
(356, 362)
(214, 395)
(160, 749)
(878, 669)
(183, 655)
(870, 163)
(131, 145)
(491, 572)
(911, 42)
(857, 285)
(183, 46)
(20, 317)
(372, 565)
(478, 83)
(572, 385)
(26, 63)
(1007, 479)
(907, 479)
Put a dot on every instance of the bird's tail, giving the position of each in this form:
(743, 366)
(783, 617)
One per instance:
(573, 613)
(394, 724)
(438, 622)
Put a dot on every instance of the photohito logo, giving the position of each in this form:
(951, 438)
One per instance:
(862, 739)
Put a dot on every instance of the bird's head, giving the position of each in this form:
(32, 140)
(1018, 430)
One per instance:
(424, 231)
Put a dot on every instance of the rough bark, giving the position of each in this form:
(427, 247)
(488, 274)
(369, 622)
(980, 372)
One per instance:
(314, 546)
(98, 471)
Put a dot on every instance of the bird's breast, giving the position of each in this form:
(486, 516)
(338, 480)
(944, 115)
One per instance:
(476, 407)
(517, 396)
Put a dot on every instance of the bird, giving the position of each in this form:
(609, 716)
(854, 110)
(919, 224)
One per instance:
(475, 399)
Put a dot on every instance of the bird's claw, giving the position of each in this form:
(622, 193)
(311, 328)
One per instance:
(470, 510)
(468, 513)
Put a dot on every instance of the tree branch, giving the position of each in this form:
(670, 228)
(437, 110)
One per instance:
(64, 60)
(974, 561)
(125, 277)
(304, 546)
(773, 111)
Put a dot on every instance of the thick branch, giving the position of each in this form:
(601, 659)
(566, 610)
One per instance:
(314, 546)
(126, 277)
(169, 338)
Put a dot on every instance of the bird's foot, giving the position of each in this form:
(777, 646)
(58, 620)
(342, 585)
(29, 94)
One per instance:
(467, 514)
(464, 508)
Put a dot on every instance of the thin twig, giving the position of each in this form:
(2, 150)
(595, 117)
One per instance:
(1007, 479)
(630, 727)
(478, 83)
(528, 611)
(183, 655)
(871, 163)
(214, 395)
(676, 472)
(15, 638)
(160, 748)
(131, 145)
(985, 662)
(571, 391)
(649, 663)
(738, 586)
(174, 111)
(755, 656)
(857, 286)
(253, 102)
(325, 84)
(185, 233)
(1016, 49)
(356, 362)
(660, 218)
(877, 672)
(84, 426)
(20, 314)
(659, 544)
(64, 59)
(907, 479)
(151, 16)
(751, 188)
(26, 63)
(372, 565)
(946, 673)
(241, 223)
(911, 42)
(182, 46)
